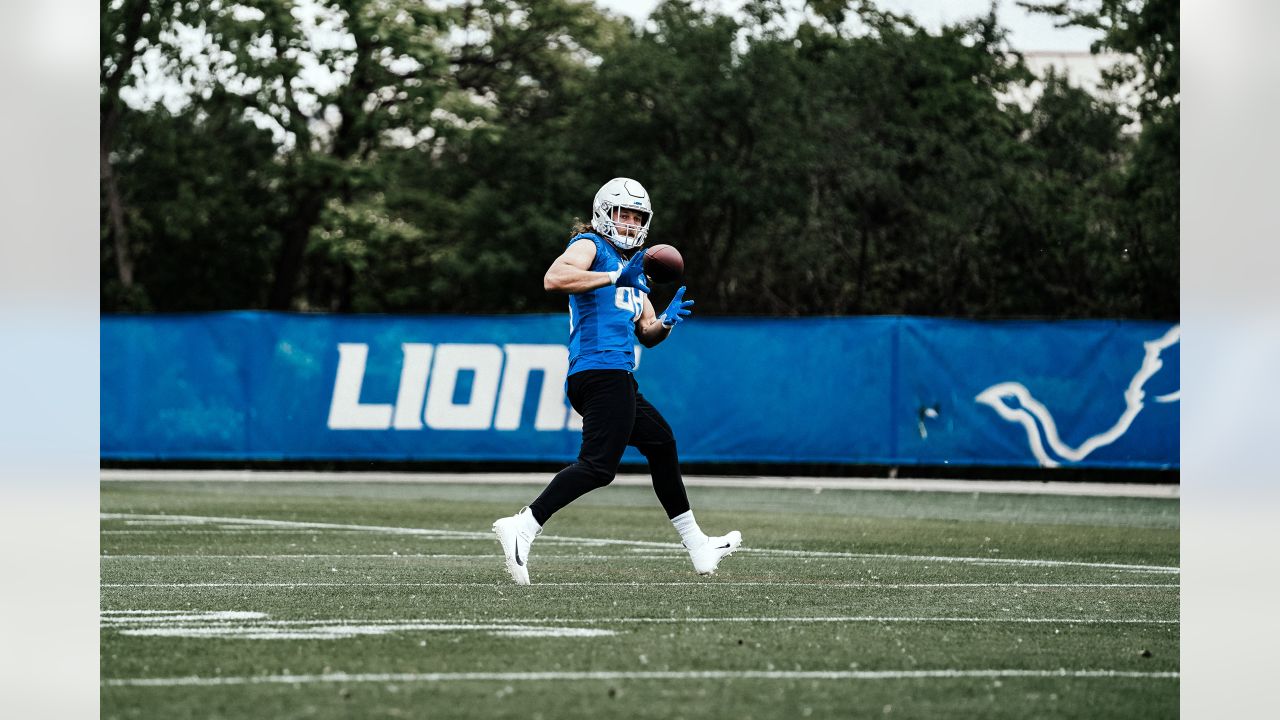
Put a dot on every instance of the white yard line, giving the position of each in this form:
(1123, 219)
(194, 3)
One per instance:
(958, 559)
(140, 612)
(461, 534)
(1019, 487)
(249, 625)
(165, 616)
(839, 619)
(698, 584)
(263, 522)
(349, 631)
(486, 557)
(237, 531)
(658, 675)
(246, 625)
(861, 619)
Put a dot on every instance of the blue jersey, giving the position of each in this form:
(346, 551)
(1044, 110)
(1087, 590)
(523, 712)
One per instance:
(602, 331)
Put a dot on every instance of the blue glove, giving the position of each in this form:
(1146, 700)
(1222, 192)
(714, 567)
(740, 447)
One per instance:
(677, 310)
(632, 274)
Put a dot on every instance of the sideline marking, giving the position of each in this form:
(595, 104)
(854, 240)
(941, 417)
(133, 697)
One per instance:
(667, 675)
(995, 487)
(488, 536)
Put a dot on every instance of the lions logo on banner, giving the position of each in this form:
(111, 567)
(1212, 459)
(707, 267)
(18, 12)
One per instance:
(1015, 403)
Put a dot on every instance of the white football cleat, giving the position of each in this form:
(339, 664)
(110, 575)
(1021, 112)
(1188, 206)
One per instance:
(707, 556)
(516, 534)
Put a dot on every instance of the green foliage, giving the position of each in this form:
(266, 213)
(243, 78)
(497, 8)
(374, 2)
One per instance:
(1146, 35)
(854, 164)
(200, 211)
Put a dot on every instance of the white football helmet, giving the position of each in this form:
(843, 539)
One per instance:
(621, 192)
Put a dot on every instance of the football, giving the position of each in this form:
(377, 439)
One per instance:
(663, 264)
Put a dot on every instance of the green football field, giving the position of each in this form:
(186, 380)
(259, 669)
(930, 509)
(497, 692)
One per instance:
(359, 599)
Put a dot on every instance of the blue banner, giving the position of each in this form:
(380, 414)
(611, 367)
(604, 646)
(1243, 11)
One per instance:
(879, 390)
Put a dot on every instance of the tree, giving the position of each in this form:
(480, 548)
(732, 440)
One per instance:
(815, 172)
(410, 159)
(1145, 33)
(126, 28)
(340, 89)
(467, 221)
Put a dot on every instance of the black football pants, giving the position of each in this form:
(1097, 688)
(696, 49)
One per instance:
(614, 415)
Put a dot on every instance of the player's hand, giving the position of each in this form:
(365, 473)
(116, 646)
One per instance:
(632, 274)
(677, 310)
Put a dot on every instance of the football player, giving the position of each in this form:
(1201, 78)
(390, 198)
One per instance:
(602, 271)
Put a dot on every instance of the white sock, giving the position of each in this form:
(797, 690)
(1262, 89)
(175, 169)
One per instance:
(528, 523)
(690, 534)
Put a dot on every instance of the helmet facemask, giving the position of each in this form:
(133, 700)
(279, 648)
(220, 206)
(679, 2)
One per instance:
(621, 234)
(622, 193)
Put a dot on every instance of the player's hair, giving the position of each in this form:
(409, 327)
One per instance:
(580, 227)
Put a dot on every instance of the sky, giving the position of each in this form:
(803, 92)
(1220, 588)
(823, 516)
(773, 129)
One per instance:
(1027, 32)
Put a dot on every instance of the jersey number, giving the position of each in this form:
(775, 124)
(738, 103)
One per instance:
(626, 298)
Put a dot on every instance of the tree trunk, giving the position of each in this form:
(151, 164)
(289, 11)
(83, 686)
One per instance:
(110, 115)
(861, 286)
(312, 196)
(297, 233)
(346, 291)
(115, 212)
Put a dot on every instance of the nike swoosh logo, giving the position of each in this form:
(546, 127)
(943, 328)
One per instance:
(724, 546)
(518, 561)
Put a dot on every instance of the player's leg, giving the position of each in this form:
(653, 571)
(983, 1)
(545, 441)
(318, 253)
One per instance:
(653, 437)
(606, 400)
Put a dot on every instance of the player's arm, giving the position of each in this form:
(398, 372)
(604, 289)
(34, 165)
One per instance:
(571, 272)
(649, 330)
(652, 328)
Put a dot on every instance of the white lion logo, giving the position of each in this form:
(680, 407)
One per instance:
(1037, 421)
